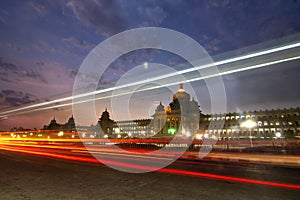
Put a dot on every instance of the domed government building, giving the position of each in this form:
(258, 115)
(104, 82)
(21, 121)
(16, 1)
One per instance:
(183, 117)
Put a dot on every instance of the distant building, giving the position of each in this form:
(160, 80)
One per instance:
(266, 123)
(183, 117)
(180, 117)
(107, 127)
(67, 127)
(106, 123)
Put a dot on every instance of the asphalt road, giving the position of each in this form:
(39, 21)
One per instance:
(25, 176)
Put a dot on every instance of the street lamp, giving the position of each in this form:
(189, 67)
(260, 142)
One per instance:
(249, 124)
(278, 134)
(60, 133)
(117, 130)
(199, 136)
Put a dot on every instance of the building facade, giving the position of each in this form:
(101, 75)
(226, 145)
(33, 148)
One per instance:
(180, 117)
(69, 126)
(266, 123)
(183, 117)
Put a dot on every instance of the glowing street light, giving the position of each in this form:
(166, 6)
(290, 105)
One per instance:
(278, 134)
(117, 130)
(206, 135)
(187, 134)
(249, 124)
(60, 133)
(199, 136)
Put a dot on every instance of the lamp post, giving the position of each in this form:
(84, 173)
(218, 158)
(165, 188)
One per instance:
(278, 136)
(249, 124)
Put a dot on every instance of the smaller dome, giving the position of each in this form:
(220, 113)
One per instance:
(194, 104)
(53, 121)
(71, 120)
(160, 108)
(105, 115)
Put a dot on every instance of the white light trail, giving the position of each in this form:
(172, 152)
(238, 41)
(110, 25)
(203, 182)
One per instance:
(218, 63)
(173, 83)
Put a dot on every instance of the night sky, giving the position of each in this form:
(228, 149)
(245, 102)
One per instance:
(43, 43)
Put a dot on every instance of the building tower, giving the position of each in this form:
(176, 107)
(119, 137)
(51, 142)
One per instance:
(160, 118)
(106, 124)
(70, 125)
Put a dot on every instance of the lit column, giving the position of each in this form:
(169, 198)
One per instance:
(249, 124)
(279, 136)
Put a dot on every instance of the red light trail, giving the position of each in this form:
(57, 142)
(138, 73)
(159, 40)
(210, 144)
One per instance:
(140, 167)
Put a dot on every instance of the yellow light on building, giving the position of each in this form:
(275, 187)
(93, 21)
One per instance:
(60, 133)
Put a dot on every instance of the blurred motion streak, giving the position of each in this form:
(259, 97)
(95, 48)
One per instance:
(38, 150)
(217, 63)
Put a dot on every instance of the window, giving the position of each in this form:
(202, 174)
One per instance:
(259, 123)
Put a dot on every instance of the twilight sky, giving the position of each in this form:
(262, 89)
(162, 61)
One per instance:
(43, 43)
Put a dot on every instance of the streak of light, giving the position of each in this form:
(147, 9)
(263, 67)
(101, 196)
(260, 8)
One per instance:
(116, 141)
(74, 140)
(213, 164)
(108, 151)
(137, 154)
(103, 151)
(169, 84)
(127, 155)
(149, 168)
(226, 61)
(229, 178)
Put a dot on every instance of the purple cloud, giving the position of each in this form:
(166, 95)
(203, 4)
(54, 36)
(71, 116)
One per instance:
(104, 14)
(15, 98)
(12, 73)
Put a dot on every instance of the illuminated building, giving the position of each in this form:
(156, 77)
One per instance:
(127, 128)
(183, 117)
(266, 123)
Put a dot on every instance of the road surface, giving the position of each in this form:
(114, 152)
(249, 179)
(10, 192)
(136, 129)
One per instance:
(28, 176)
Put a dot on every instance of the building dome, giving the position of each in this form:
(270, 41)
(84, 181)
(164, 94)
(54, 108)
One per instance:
(160, 108)
(194, 105)
(53, 121)
(105, 115)
(71, 121)
(181, 94)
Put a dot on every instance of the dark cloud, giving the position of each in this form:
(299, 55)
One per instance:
(235, 23)
(153, 16)
(40, 63)
(3, 16)
(79, 43)
(73, 73)
(12, 73)
(38, 8)
(15, 98)
(104, 14)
